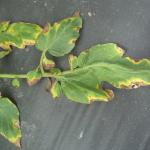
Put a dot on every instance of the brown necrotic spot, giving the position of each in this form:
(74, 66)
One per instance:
(48, 66)
(135, 61)
(33, 81)
(137, 84)
(46, 28)
(18, 143)
(133, 85)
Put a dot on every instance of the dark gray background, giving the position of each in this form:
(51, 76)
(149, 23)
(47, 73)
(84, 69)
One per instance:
(123, 124)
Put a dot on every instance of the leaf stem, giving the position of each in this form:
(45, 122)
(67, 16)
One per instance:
(41, 62)
(23, 76)
(13, 76)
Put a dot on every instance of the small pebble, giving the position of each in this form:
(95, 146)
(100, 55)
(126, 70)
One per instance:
(89, 14)
(45, 4)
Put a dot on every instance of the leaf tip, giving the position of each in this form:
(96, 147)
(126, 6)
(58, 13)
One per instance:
(18, 143)
(110, 94)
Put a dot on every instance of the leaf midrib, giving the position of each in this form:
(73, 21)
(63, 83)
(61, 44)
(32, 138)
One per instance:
(56, 38)
(102, 64)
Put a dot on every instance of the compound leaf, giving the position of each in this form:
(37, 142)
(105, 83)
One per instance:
(83, 83)
(60, 38)
(9, 121)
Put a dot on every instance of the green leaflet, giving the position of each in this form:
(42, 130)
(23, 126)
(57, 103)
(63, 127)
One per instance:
(9, 121)
(19, 35)
(102, 63)
(27, 32)
(16, 83)
(60, 38)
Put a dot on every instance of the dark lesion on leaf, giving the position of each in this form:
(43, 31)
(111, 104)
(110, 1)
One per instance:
(33, 81)
(110, 93)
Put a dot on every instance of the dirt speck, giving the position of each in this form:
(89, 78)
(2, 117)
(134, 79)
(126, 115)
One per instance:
(81, 135)
(45, 4)
(27, 49)
(90, 14)
(21, 68)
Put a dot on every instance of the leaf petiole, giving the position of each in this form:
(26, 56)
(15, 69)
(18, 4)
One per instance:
(41, 62)
(24, 76)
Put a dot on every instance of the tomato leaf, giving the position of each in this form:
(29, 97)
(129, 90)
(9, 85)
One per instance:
(9, 121)
(59, 39)
(19, 35)
(83, 83)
